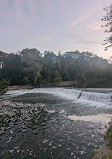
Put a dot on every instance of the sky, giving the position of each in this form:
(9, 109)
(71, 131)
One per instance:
(53, 25)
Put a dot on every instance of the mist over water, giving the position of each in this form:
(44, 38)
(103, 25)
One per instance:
(45, 123)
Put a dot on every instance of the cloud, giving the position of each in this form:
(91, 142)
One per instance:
(40, 38)
(95, 26)
(47, 39)
(83, 17)
(78, 20)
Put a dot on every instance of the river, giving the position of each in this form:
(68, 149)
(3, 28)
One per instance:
(52, 123)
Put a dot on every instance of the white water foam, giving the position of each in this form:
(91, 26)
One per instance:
(51, 111)
(94, 96)
(70, 94)
(100, 118)
(77, 96)
(18, 92)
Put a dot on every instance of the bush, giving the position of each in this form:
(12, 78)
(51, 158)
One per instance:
(4, 84)
(108, 135)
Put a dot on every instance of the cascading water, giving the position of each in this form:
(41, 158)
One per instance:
(69, 94)
(99, 97)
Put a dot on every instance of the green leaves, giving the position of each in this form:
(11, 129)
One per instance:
(107, 19)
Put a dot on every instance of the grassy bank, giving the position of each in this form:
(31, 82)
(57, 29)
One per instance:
(105, 152)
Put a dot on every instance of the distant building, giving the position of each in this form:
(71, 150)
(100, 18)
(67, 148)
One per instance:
(1, 65)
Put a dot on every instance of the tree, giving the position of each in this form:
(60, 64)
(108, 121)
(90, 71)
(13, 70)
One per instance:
(81, 80)
(4, 84)
(108, 26)
(32, 60)
(57, 77)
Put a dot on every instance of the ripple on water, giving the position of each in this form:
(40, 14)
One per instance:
(47, 129)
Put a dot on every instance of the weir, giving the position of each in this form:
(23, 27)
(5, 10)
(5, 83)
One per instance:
(79, 95)
(94, 96)
(68, 94)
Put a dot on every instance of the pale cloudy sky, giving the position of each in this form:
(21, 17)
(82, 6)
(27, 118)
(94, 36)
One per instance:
(53, 25)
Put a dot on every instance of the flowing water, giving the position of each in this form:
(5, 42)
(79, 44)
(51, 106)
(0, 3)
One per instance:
(52, 123)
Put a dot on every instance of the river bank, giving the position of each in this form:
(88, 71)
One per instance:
(106, 149)
(16, 87)
(55, 84)
(105, 152)
(3, 91)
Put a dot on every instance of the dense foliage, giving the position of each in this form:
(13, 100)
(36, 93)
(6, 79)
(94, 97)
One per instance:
(30, 67)
(3, 85)
(108, 26)
(108, 135)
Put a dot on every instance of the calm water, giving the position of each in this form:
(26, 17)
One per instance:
(43, 124)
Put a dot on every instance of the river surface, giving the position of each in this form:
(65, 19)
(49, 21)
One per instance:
(52, 123)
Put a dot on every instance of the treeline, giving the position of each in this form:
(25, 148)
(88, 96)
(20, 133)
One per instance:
(31, 67)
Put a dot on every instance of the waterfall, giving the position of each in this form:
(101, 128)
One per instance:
(68, 94)
(94, 96)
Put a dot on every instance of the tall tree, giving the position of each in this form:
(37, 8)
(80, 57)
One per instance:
(32, 60)
(108, 26)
